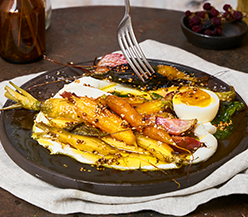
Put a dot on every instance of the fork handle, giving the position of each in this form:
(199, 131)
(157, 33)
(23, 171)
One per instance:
(127, 7)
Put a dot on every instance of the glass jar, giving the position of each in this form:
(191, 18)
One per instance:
(22, 30)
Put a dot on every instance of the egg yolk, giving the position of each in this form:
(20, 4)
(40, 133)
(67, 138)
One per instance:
(194, 97)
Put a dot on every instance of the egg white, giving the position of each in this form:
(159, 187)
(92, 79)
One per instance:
(87, 86)
(204, 133)
(203, 114)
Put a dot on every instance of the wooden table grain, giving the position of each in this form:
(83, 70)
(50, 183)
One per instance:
(83, 33)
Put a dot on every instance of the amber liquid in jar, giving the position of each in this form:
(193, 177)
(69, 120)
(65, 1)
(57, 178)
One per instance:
(22, 30)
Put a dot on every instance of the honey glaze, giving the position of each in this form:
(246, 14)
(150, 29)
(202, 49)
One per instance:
(22, 27)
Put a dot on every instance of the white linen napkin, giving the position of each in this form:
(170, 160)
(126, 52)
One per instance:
(234, 174)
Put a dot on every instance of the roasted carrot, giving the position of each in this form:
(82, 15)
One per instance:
(128, 113)
(159, 134)
(125, 111)
(158, 149)
(88, 109)
(153, 106)
(82, 143)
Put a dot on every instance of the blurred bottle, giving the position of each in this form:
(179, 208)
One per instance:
(22, 30)
(48, 12)
(243, 6)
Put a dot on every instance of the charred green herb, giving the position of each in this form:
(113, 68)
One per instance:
(87, 129)
(224, 118)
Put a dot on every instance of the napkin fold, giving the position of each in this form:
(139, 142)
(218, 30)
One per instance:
(231, 178)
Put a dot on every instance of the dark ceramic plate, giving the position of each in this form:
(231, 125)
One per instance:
(65, 172)
(232, 34)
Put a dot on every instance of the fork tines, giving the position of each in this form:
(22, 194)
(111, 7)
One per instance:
(133, 52)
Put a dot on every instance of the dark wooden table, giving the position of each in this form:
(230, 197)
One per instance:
(81, 34)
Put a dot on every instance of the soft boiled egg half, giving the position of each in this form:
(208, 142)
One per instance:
(203, 105)
(192, 102)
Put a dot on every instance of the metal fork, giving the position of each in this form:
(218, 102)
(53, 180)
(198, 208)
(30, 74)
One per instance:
(130, 47)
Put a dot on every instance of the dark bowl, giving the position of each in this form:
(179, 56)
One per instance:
(232, 34)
